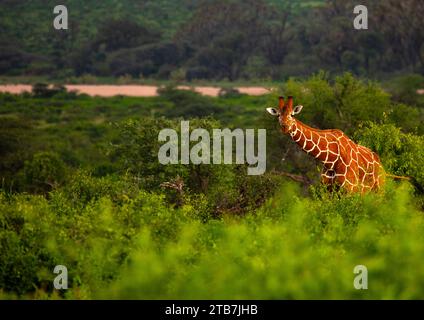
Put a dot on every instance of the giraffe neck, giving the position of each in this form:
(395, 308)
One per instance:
(315, 143)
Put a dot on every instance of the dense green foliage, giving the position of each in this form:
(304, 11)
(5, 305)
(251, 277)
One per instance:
(82, 187)
(120, 246)
(242, 39)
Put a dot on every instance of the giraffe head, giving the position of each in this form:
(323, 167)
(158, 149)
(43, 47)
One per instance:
(285, 113)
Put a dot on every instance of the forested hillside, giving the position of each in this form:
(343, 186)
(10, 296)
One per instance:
(221, 40)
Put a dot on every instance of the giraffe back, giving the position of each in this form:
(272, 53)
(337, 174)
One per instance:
(358, 169)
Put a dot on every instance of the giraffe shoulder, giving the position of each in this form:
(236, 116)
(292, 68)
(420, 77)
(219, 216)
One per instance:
(334, 134)
(338, 133)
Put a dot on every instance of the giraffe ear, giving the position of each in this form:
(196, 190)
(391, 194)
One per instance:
(297, 110)
(273, 111)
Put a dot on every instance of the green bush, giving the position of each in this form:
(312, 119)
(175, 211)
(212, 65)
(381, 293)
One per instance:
(187, 104)
(404, 88)
(43, 90)
(44, 172)
(343, 104)
(293, 248)
(92, 241)
(25, 225)
(401, 153)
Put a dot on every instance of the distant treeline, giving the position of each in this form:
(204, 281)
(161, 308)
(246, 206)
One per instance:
(211, 39)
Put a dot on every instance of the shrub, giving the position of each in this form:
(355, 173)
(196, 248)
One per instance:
(401, 153)
(343, 105)
(92, 240)
(44, 172)
(404, 88)
(43, 90)
(187, 104)
(306, 250)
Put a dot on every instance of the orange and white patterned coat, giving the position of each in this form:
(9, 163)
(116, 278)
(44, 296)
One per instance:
(346, 164)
